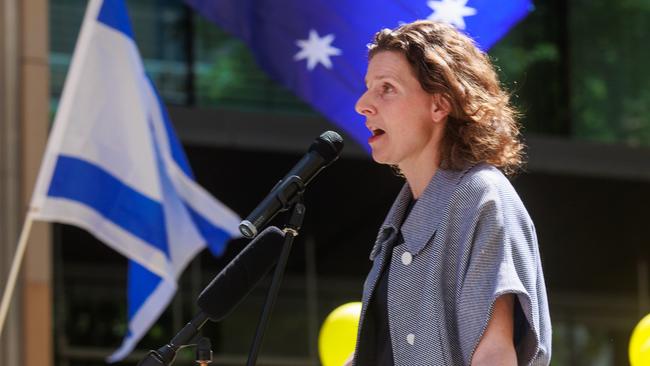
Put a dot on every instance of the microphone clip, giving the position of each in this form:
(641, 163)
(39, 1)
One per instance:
(289, 199)
(293, 225)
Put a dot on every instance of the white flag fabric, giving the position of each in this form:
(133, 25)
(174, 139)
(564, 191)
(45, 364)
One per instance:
(114, 167)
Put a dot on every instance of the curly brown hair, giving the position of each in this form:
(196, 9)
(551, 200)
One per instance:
(482, 125)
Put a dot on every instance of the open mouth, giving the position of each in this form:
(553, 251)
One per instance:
(377, 132)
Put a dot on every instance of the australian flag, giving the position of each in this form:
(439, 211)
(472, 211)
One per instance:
(317, 48)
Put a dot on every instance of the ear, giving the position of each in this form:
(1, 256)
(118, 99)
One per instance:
(440, 108)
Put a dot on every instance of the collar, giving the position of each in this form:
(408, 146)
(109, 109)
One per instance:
(424, 218)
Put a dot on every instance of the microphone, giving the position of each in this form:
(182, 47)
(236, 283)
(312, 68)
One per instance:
(322, 152)
(225, 291)
(241, 275)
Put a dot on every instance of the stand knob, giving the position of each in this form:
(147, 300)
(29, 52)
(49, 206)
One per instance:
(204, 352)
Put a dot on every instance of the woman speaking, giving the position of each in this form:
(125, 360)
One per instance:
(456, 276)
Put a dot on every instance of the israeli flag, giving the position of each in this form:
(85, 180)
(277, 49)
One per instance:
(318, 50)
(114, 167)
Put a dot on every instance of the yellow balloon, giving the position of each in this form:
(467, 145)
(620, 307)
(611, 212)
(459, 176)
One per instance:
(338, 335)
(640, 343)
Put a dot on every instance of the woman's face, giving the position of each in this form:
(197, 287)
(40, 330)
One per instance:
(401, 116)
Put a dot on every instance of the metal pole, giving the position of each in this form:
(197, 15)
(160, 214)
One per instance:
(291, 231)
(15, 268)
(312, 299)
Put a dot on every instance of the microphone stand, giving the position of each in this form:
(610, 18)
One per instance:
(291, 231)
(165, 355)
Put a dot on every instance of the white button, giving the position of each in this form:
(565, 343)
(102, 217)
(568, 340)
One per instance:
(406, 258)
(410, 338)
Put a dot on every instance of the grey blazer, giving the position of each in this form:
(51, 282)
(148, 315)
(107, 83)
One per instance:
(467, 240)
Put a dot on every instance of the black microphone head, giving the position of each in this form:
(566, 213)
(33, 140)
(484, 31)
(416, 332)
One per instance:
(329, 145)
(240, 276)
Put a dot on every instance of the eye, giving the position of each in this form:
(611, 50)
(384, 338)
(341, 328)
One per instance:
(387, 88)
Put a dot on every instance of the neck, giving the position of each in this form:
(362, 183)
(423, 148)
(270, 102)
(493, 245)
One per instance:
(420, 169)
(418, 176)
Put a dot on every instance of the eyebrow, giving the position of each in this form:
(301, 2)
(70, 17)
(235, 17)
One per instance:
(383, 77)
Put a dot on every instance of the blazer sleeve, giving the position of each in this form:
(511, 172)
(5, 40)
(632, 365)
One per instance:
(503, 258)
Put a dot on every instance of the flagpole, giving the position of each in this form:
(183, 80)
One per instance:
(15, 268)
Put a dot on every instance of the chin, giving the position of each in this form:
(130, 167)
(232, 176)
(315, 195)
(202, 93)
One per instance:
(381, 159)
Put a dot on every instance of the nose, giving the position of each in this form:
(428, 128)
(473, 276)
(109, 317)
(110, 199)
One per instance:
(364, 106)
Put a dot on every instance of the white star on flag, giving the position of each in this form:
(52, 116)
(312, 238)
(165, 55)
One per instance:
(316, 50)
(450, 11)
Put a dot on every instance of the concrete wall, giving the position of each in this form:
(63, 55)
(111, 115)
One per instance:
(24, 122)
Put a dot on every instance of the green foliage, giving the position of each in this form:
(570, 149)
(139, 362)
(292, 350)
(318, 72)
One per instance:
(610, 79)
(529, 61)
(580, 69)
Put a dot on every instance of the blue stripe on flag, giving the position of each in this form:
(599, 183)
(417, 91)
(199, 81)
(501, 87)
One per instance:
(113, 14)
(177, 150)
(215, 237)
(79, 180)
(142, 283)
